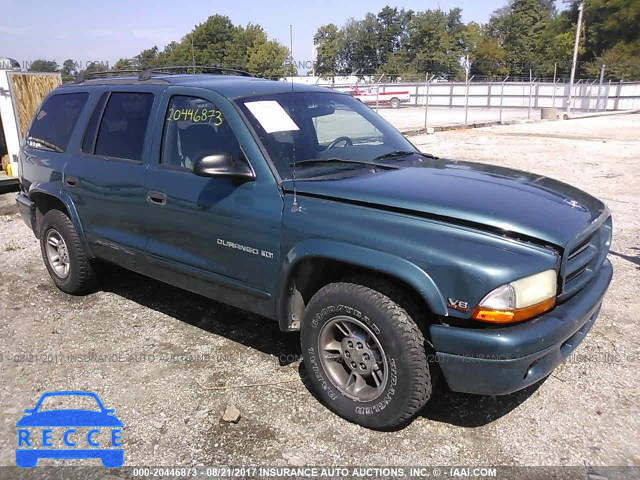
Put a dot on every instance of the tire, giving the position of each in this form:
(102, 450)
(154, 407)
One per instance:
(395, 103)
(386, 351)
(73, 272)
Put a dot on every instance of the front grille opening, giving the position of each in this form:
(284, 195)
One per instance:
(575, 274)
(578, 250)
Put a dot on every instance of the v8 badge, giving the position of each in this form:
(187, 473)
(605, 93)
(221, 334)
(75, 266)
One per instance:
(457, 305)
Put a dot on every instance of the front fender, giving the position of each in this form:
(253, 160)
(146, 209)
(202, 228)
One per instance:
(358, 256)
(62, 196)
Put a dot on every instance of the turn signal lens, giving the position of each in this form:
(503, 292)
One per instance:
(518, 300)
(510, 316)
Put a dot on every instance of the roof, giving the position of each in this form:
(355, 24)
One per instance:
(230, 86)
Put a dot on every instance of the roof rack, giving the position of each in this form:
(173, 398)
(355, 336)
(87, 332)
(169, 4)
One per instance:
(82, 76)
(146, 73)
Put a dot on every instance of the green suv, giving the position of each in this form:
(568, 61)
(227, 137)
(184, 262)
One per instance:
(304, 206)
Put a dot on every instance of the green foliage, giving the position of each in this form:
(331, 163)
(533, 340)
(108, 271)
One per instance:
(43, 66)
(268, 60)
(437, 42)
(622, 62)
(523, 29)
(523, 37)
(218, 42)
(329, 41)
(69, 70)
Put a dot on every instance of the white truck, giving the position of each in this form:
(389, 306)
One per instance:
(375, 94)
(20, 95)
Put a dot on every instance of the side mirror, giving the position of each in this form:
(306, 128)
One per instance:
(222, 165)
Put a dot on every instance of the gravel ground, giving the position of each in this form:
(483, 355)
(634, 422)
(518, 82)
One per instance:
(160, 356)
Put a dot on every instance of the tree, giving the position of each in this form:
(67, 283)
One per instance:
(69, 70)
(622, 62)
(245, 41)
(269, 60)
(523, 30)
(436, 42)
(329, 42)
(148, 58)
(43, 66)
(124, 64)
(392, 32)
(487, 56)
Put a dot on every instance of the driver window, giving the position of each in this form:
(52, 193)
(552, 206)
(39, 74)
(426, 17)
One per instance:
(344, 122)
(193, 128)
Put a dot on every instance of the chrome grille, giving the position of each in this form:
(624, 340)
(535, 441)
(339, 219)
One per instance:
(583, 259)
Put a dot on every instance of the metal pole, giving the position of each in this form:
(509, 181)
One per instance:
(502, 96)
(466, 95)
(193, 55)
(575, 54)
(378, 91)
(530, 93)
(606, 101)
(426, 98)
(600, 87)
(553, 99)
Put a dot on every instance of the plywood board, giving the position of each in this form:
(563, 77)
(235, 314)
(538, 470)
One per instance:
(27, 91)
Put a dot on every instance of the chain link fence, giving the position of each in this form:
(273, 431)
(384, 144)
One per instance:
(499, 100)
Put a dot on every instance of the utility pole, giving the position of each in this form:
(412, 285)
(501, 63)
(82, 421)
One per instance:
(193, 54)
(575, 53)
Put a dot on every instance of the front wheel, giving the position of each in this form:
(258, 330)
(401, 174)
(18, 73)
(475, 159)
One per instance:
(365, 356)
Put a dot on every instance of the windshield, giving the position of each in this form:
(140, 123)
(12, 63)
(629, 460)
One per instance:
(335, 129)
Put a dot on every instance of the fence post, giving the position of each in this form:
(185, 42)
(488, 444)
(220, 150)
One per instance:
(600, 88)
(451, 94)
(466, 99)
(426, 98)
(616, 103)
(530, 96)
(502, 96)
(606, 101)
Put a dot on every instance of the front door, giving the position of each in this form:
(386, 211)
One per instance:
(221, 230)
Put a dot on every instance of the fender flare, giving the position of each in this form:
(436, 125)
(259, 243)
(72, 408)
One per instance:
(62, 196)
(358, 256)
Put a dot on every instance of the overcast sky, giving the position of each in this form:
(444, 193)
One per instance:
(105, 31)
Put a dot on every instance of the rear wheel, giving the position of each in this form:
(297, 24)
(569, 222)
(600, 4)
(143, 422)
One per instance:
(365, 356)
(64, 257)
(395, 103)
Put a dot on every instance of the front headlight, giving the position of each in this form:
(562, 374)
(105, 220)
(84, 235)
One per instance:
(519, 300)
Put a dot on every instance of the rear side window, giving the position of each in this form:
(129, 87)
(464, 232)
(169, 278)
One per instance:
(124, 125)
(53, 125)
(89, 141)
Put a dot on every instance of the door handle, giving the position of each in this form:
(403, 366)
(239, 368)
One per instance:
(71, 181)
(156, 198)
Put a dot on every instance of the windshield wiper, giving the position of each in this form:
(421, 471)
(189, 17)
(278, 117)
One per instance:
(44, 143)
(403, 153)
(372, 163)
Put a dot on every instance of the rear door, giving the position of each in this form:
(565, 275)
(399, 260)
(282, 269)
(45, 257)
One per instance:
(105, 177)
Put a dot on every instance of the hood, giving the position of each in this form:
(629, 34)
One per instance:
(509, 201)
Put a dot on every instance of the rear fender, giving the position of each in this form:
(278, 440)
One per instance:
(38, 189)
